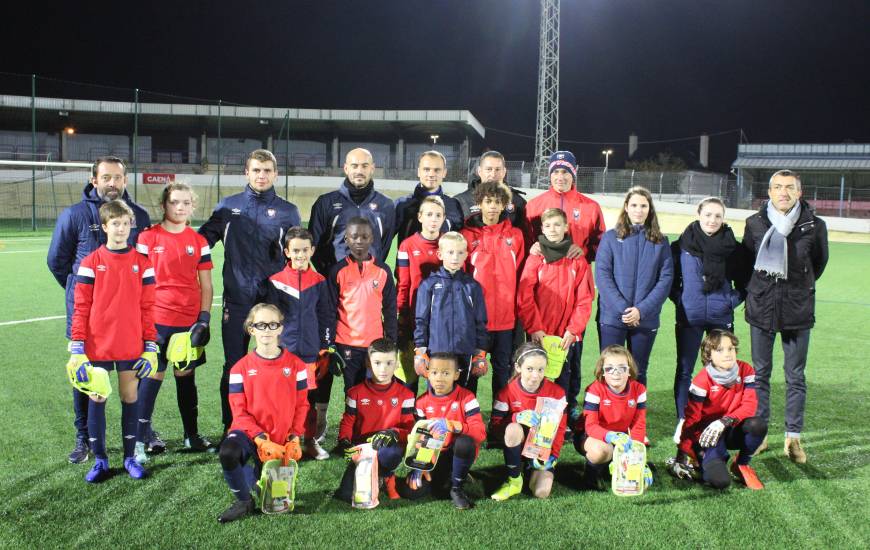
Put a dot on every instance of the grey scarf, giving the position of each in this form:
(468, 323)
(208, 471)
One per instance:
(723, 378)
(772, 255)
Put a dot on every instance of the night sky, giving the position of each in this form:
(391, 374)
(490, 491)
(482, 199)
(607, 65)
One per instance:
(783, 71)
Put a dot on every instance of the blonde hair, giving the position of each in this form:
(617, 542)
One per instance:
(433, 199)
(176, 186)
(454, 237)
(115, 209)
(262, 155)
(432, 154)
(713, 340)
(249, 320)
(611, 351)
(554, 213)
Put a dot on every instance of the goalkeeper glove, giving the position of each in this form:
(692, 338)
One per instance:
(549, 464)
(647, 475)
(416, 477)
(619, 438)
(292, 449)
(529, 418)
(347, 449)
(146, 365)
(421, 362)
(199, 332)
(329, 360)
(78, 362)
(478, 365)
(439, 427)
(384, 438)
(710, 435)
(268, 450)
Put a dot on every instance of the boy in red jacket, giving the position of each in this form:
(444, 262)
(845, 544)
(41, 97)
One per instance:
(495, 254)
(455, 411)
(416, 259)
(381, 411)
(113, 328)
(721, 414)
(269, 401)
(555, 298)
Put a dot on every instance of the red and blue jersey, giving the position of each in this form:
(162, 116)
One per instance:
(371, 408)
(177, 259)
(114, 304)
(513, 399)
(607, 411)
(459, 405)
(269, 396)
(416, 259)
(303, 298)
(363, 302)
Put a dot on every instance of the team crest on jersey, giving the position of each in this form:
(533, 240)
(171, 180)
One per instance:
(509, 241)
(364, 401)
(375, 284)
(380, 402)
(510, 207)
(189, 249)
(454, 406)
(135, 269)
(631, 403)
(347, 356)
(286, 371)
(252, 372)
(270, 212)
(373, 206)
(576, 214)
(101, 267)
(236, 211)
(394, 401)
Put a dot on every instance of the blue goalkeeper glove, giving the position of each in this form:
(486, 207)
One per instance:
(529, 418)
(647, 476)
(544, 466)
(439, 427)
(199, 333)
(416, 477)
(78, 361)
(146, 365)
(619, 438)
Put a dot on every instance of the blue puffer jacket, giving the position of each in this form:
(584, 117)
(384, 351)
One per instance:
(694, 308)
(251, 225)
(632, 272)
(451, 314)
(329, 217)
(78, 232)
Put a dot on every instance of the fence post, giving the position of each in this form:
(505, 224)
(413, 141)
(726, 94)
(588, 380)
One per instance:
(286, 156)
(661, 179)
(33, 152)
(842, 189)
(219, 153)
(135, 146)
(632, 178)
(689, 189)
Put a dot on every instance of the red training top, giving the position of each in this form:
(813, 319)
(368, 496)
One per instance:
(606, 411)
(372, 407)
(513, 399)
(459, 405)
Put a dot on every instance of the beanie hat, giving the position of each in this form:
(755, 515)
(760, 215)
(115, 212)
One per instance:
(566, 160)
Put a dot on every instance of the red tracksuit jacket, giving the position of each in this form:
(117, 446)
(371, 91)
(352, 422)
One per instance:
(114, 304)
(459, 405)
(364, 302)
(585, 220)
(269, 395)
(416, 259)
(495, 254)
(555, 297)
(370, 408)
(605, 411)
(513, 399)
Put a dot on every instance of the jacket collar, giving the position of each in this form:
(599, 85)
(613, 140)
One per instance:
(265, 196)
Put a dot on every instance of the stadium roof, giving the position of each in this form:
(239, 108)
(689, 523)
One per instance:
(822, 157)
(241, 117)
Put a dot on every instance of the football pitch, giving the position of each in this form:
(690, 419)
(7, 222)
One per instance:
(46, 503)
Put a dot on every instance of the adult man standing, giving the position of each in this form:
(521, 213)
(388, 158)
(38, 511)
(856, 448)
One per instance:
(585, 227)
(431, 170)
(78, 232)
(251, 225)
(491, 167)
(790, 246)
(355, 197)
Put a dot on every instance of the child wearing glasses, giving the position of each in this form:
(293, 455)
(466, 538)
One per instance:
(614, 412)
(268, 395)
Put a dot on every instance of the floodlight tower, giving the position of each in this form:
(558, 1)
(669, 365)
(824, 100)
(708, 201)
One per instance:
(547, 131)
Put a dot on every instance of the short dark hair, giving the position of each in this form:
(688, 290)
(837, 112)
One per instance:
(492, 189)
(108, 158)
(383, 345)
(445, 357)
(359, 220)
(297, 232)
(262, 155)
(491, 155)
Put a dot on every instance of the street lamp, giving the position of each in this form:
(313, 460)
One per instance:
(434, 138)
(606, 153)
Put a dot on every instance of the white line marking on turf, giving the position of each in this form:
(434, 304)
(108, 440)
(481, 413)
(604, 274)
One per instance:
(20, 251)
(25, 240)
(34, 320)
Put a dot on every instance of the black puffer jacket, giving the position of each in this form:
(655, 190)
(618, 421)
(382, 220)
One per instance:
(786, 304)
(515, 212)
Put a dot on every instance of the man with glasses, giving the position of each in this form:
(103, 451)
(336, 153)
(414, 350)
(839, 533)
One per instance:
(789, 245)
(78, 232)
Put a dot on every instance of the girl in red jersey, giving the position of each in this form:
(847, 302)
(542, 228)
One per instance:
(182, 263)
(720, 415)
(521, 394)
(268, 393)
(614, 412)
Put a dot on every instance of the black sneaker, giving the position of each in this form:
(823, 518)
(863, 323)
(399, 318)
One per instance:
(155, 445)
(80, 452)
(460, 499)
(198, 444)
(238, 510)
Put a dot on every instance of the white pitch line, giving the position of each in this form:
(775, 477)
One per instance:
(34, 320)
(20, 251)
(25, 239)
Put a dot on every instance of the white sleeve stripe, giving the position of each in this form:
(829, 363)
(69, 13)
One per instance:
(408, 403)
(592, 398)
(148, 273)
(302, 375)
(205, 251)
(236, 378)
(351, 403)
(700, 392)
(86, 272)
(749, 379)
(420, 413)
(641, 398)
(402, 255)
(471, 405)
(142, 248)
(500, 406)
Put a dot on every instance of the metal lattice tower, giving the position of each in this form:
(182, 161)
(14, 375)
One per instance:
(547, 131)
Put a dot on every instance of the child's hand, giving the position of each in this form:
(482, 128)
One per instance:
(146, 365)
(439, 427)
(421, 362)
(384, 438)
(479, 365)
(78, 362)
(537, 336)
(619, 438)
(199, 332)
(710, 435)
(568, 339)
(292, 450)
(416, 477)
(574, 251)
(268, 450)
(549, 464)
(528, 418)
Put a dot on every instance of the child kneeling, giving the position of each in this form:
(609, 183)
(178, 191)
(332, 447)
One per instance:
(269, 399)
(380, 410)
(520, 396)
(453, 411)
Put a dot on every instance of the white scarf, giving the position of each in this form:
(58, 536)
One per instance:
(772, 255)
